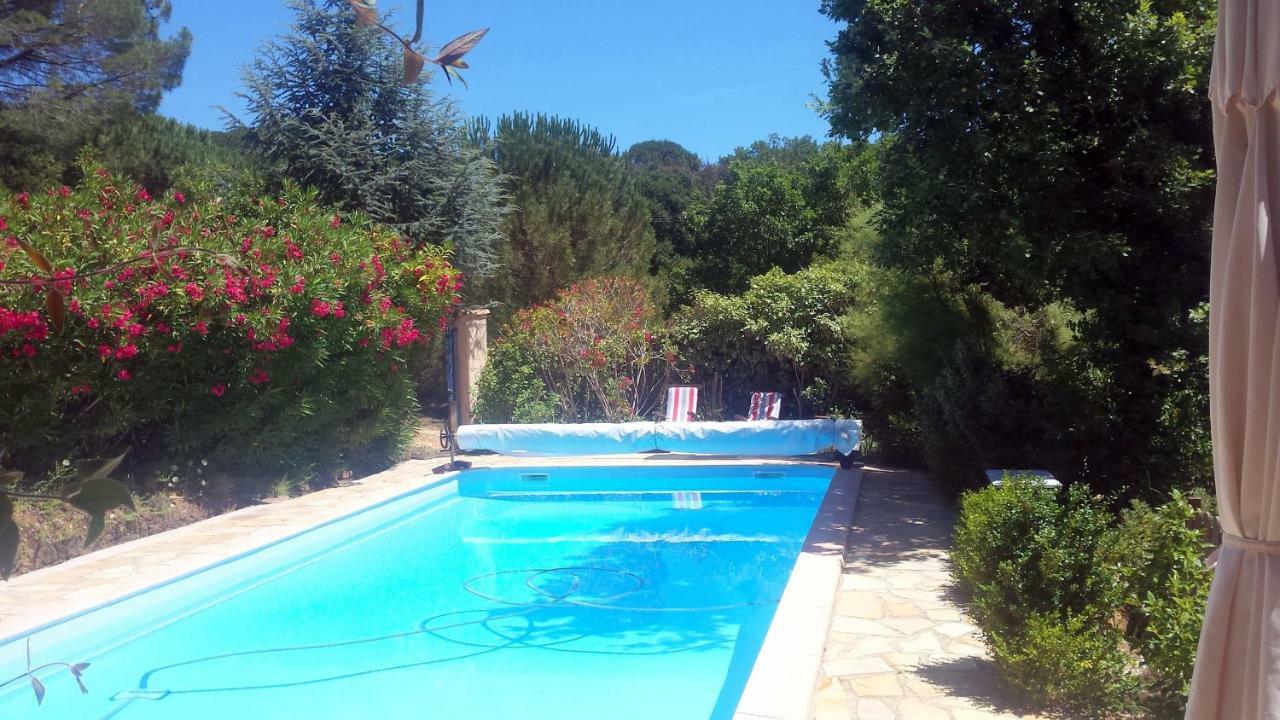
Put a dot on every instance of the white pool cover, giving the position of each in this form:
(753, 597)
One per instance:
(782, 438)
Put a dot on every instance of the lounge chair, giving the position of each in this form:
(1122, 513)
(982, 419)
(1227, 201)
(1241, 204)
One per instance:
(765, 406)
(682, 403)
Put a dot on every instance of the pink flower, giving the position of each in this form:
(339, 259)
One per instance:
(218, 390)
(259, 377)
(175, 347)
(12, 243)
(24, 199)
(124, 375)
(335, 258)
(320, 308)
(64, 191)
(201, 327)
(142, 195)
(193, 291)
(335, 221)
(268, 232)
(299, 284)
(338, 310)
(179, 198)
(124, 352)
(292, 251)
(4, 223)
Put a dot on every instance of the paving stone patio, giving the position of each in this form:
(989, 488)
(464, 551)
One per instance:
(900, 646)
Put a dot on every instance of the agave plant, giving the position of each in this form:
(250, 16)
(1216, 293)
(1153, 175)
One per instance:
(449, 58)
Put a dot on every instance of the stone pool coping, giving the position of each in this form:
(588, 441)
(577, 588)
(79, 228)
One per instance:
(781, 683)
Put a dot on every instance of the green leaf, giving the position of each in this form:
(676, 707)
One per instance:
(95, 496)
(450, 73)
(97, 523)
(98, 469)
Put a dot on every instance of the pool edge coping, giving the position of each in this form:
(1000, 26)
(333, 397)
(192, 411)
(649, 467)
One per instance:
(786, 669)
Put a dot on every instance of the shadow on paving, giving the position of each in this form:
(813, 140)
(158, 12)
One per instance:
(902, 519)
(973, 678)
(900, 516)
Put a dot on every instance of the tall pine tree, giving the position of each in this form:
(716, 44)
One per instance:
(68, 69)
(577, 213)
(328, 109)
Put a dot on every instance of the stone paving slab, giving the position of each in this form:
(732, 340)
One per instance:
(900, 646)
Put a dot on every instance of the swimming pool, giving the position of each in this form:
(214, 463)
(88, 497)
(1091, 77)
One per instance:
(558, 592)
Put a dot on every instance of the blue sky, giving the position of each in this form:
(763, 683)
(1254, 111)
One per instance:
(709, 74)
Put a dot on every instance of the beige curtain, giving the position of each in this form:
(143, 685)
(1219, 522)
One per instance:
(1237, 674)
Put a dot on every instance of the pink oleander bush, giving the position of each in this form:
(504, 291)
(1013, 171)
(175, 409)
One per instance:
(255, 339)
(595, 352)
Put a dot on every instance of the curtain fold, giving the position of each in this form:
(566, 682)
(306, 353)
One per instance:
(1237, 674)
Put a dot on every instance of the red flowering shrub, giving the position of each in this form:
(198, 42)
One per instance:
(264, 337)
(594, 353)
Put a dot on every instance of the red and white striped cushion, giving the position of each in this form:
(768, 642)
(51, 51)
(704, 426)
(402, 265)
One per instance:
(682, 403)
(765, 406)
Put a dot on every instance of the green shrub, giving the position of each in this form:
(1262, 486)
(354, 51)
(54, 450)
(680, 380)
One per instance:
(594, 353)
(1071, 602)
(1158, 553)
(1069, 664)
(251, 338)
(1026, 557)
(785, 333)
(510, 390)
(1021, 550)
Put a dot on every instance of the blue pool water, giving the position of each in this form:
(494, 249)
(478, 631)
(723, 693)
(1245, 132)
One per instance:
(565, 593)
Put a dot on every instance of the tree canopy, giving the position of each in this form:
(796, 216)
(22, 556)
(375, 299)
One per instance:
(68, 69)
(777, 207)
(1036, 153)
(97, 50)
(328, 109)
(576, 210)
